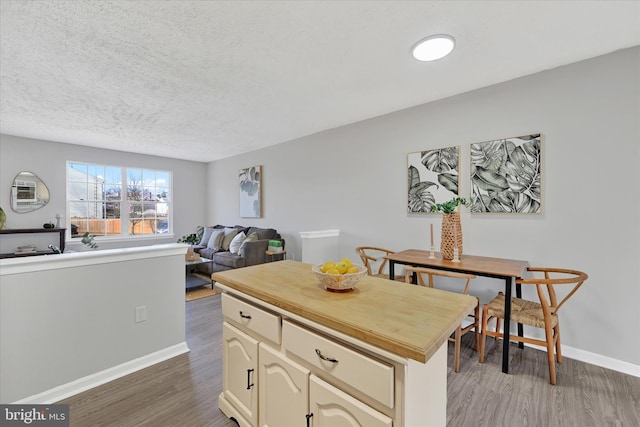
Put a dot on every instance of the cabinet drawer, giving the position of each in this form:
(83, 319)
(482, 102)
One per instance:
(250, 318)
(370, 376)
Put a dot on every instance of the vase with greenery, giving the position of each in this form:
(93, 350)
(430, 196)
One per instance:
(451, 236)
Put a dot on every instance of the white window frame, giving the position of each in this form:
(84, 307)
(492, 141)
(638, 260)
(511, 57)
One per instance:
(125, 204)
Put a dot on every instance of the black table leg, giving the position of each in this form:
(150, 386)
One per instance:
(507, 325)
(520, 328)
(392, 266)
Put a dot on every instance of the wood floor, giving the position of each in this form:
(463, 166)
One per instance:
(183, 391)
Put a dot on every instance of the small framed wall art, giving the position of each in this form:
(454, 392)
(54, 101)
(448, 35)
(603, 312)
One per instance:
(433, 178)
(251, 192)
(506, 175)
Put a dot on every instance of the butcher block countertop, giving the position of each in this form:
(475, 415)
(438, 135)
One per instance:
(408, 320)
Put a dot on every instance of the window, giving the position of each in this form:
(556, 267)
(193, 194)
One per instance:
(115, 201)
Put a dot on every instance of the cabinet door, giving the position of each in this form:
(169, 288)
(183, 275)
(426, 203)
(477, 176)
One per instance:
(334, 408)
(284, 390)
(240, 371)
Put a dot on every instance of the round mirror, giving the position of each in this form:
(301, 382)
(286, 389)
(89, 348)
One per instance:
(28, 193)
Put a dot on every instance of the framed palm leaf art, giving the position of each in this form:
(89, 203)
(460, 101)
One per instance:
(506, 175)
(433, 178)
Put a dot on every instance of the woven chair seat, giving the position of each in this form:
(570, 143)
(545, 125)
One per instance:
(386, 276)
(522, 311)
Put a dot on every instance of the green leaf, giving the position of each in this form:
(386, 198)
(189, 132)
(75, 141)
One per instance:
(449, 181)
(442, 160)
(489, 180)
(414, 176)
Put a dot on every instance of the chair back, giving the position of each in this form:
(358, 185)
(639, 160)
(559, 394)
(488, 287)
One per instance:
(374, 259)
(420, 272)
(546, 278)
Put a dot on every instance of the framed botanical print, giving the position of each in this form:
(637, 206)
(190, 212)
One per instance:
(433, 178)
(251, 192)
(506, 175)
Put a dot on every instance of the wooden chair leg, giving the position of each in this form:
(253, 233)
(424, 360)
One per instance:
(498, 322)
(456, 357)
(557, 338)
(550, 355)
(476, 325)
(483, 337)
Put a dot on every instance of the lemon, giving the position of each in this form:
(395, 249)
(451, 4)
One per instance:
(333, 270)
(347, 261)
(327, 265)
(352, 269)
(342, 267)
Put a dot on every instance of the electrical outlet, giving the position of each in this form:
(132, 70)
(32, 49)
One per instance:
(141, 313)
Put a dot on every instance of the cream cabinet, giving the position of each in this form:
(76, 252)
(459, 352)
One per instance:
(284, 390)
(282, 370)
(331, 407)
(240, 372)
(291, 396)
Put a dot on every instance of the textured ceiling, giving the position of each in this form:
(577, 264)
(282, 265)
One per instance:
(205, 80)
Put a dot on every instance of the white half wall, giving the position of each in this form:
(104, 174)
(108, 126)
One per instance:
(71, 318)
(354, 178)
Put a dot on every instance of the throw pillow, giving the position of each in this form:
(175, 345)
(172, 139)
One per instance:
(251, 237)
(215, 241)
(229, 234)
(199, 233)
(206, 235)
(236, 242)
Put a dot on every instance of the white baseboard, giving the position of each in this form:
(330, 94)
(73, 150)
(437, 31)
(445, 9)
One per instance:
(64, 391)
(600, 360)
(587, 356)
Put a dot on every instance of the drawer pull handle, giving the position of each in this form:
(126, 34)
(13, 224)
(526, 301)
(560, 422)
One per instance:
(309, 419)
(323, 357)
(244, 316)
(249, 383)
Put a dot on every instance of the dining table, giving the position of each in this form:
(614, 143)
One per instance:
(503, 269)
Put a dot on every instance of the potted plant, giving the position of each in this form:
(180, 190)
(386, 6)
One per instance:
(451, 236)
(89, 241)
(191, 239)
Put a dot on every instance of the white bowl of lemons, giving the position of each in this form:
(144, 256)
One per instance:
(340, 276)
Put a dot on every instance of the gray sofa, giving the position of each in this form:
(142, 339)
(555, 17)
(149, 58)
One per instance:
(251, 253)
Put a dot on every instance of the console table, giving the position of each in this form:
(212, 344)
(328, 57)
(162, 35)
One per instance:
(60, 231)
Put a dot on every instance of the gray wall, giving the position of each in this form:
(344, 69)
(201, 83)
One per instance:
(354, 179)
(73, 316)
(48, 159)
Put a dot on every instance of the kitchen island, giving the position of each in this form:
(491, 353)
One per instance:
(294, 352)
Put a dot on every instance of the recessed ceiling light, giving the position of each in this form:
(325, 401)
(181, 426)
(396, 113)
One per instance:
(434, 47)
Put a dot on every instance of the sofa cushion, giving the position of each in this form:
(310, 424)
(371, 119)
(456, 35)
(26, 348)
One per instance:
(228, 259)
(199, 232)
(206, 234)
(250, 238)
(263, 233)
(215, 241)
(206, 252)
(236, 242)
(229, 234)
